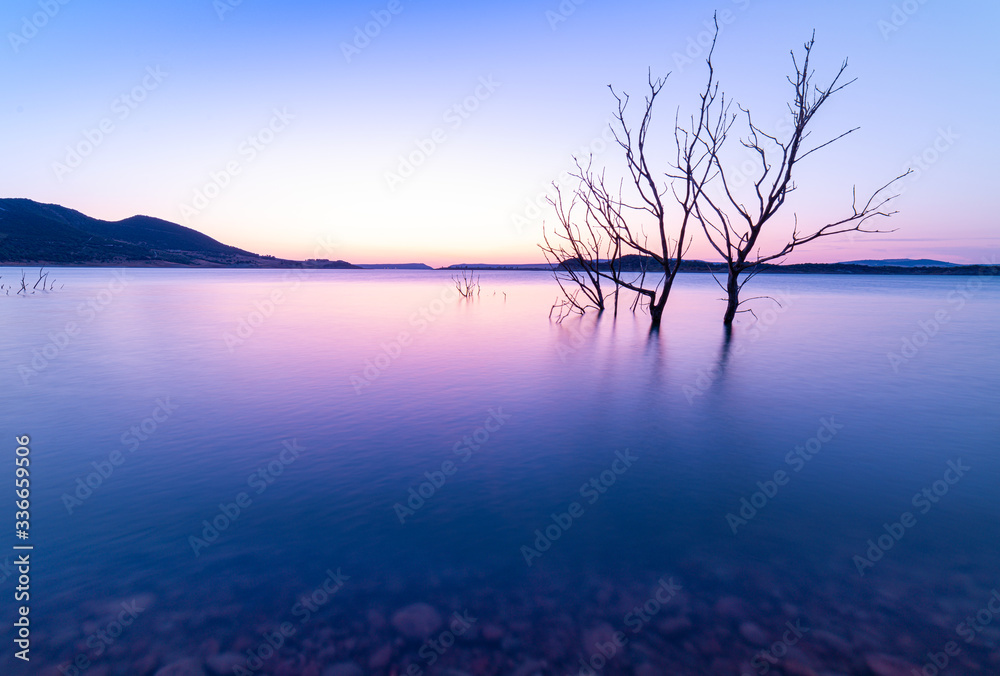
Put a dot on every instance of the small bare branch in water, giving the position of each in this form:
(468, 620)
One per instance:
(467, 284)
(47, 284)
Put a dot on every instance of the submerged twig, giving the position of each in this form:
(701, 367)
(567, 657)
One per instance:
(467, 284)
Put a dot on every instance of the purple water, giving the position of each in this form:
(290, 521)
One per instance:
(294, 399)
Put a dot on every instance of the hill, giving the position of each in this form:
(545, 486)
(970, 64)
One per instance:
(636, 263)
(394, 266)
(32, 233)
(904, 263)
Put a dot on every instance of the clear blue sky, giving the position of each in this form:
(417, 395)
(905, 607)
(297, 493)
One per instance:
(203, 78)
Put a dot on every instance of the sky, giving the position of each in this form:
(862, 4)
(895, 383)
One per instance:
(393, 131)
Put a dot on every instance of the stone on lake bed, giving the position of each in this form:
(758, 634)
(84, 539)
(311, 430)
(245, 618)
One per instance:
(492, 632)
(794, 668)
(529, 668)
(602, 635)
(187, 667)
(754, 634)
(380, 658)
(343, 669)
(647, 669)
(732, 607)
(886, 665)
(417, 621)
(224, 663)
(673, 626)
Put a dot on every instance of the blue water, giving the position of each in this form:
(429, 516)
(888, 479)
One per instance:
(701, 419)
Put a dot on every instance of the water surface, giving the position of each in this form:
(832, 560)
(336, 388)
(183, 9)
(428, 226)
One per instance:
(380, 376)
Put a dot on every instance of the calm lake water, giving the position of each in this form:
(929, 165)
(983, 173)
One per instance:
(212, 447)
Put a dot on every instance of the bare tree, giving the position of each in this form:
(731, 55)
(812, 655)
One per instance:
(733, 228)
(467, 284)
(576, 254)
(697, 189)
(600, 221)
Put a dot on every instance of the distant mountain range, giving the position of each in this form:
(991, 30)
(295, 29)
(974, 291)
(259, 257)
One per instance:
(48, 234)
(904, 263)
(32, 233)
(498, 266)
(900, 266)
(394, 266)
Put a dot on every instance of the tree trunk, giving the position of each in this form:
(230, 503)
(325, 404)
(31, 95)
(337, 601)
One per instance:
(733, 294)
(656, 311)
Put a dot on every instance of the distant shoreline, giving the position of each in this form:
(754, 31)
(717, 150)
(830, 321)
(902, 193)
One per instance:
(35, 235)
(795, 269)
(700, 268)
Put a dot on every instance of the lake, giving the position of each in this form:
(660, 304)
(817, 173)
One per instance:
(311, 472)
